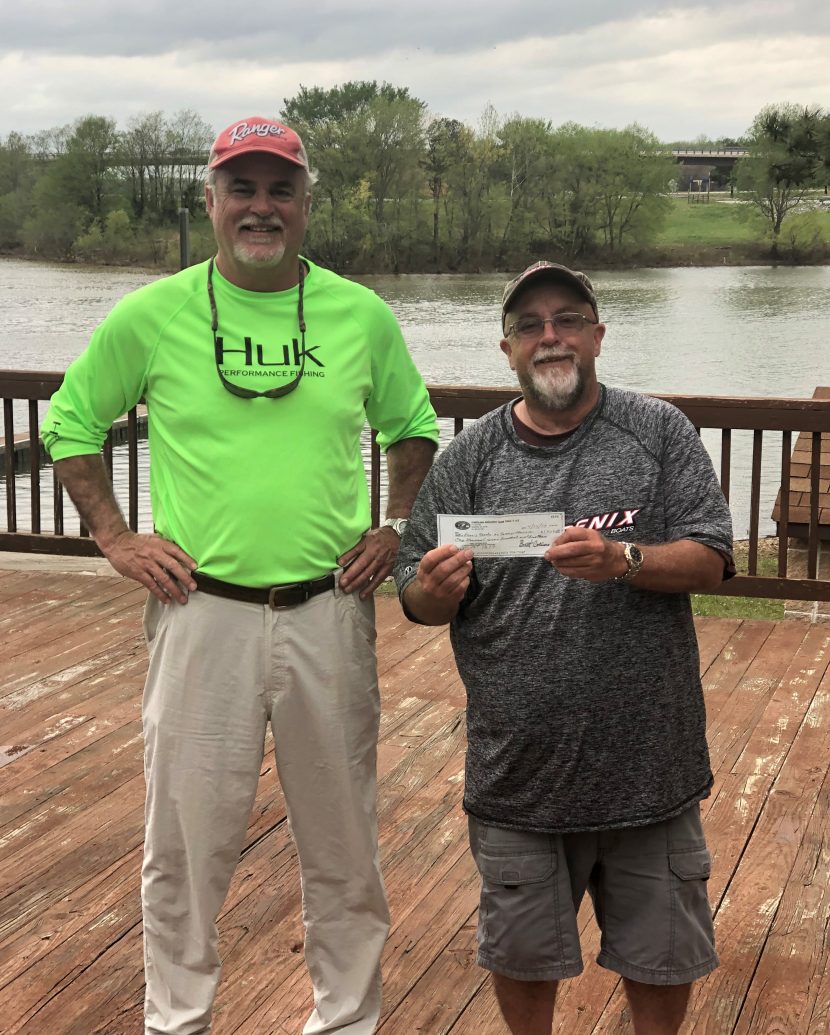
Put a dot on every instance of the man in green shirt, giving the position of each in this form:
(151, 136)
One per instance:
(259, 370)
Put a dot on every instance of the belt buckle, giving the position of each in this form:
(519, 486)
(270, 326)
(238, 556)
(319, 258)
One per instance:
(303, 587)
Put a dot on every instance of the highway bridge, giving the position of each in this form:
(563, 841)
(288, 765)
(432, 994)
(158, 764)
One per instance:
(724, 158)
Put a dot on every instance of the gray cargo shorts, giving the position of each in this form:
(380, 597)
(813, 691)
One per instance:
(647, 884)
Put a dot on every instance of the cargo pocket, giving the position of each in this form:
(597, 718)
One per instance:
(694, 865)
(520, 931)
(517, 868)
(692, 951)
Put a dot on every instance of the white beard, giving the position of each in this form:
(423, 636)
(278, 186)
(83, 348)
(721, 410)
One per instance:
(550, 389)
(253, 258)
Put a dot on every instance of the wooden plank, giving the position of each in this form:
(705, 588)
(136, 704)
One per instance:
(727, 670)
(775, 730)
(594, 1001)
(732, 722)
(253, 912)
(45, 625)
(713, 634)
(785, 988)
(748, 909)
(33, 755)
(42, 961)
(111, 828)
(38, 677)
(268, 926)
(431, 846)
(70, 962)
(76, 692)
(97, 771)
(442, 994)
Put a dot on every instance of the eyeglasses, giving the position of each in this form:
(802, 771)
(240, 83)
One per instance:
(249, 393)
(531, 327)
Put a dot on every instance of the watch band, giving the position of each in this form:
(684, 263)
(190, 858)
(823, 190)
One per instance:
(397, 523)
(634, 560)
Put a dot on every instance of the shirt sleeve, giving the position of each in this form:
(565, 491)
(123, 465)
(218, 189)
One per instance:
(399, 405)
(445, 490)
(100, 386)
(695, 507)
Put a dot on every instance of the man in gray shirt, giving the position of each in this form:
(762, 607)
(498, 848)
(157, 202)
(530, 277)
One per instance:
(587, 755)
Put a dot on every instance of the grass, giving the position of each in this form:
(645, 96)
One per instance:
(745, 607)
(720, 225)
(712, 223)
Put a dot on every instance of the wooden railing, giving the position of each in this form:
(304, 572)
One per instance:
(457, 404)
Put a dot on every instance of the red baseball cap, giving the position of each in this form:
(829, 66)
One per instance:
(258, 135)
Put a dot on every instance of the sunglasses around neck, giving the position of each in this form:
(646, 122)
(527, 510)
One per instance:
(249, 393)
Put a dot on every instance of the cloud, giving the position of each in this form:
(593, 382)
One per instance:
(325, 30)
(680, 71)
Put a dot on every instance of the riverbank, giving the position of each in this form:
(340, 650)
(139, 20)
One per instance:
(721, 232)
(666, 257)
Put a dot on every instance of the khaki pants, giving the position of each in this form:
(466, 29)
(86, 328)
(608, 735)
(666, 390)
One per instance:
(220, 670)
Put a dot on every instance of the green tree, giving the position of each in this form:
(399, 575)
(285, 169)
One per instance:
(50, 143)
(85, 173)
(16, 163)
(162, 161)
(361, 134)
(108, 242)
(823, 142)
(54, 224)
(444, 146)
(141, 155)
(607, 189)
(524, 146)
(471, 181)
(17, 175)
(13, 211)
(333, 126)
(189, 140)
(784, 162)
(633, 185)
(396, 143)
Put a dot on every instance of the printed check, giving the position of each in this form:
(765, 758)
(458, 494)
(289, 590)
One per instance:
(501, 535)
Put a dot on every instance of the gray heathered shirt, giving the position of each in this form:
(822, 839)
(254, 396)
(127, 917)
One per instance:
(584, 704)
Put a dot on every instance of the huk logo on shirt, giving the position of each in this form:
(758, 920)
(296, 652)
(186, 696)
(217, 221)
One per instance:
(273, 361)
(612, 522)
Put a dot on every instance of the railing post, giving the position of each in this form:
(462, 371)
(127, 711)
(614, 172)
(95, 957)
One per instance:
(184, 238)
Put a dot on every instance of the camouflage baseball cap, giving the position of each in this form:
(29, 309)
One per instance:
(552, 271)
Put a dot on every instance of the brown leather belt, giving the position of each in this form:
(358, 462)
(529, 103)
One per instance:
(274, 596)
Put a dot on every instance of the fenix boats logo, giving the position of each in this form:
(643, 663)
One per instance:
(612, 522)
(272, 361)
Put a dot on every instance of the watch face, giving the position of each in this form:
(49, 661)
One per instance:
(399, 524)
(636, 554)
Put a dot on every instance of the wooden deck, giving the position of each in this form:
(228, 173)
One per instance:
(72, 663)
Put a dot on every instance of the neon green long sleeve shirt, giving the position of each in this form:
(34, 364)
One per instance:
(258, 491)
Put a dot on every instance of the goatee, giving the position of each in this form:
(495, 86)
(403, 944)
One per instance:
(553, 393)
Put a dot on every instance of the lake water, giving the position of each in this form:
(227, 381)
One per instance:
(758, 331)
(716, 331)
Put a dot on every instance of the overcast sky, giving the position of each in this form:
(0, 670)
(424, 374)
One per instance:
(680, 69)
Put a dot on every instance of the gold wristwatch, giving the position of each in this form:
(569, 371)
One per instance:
(634, 560)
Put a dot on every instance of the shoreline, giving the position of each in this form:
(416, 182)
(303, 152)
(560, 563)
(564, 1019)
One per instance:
(704, 257)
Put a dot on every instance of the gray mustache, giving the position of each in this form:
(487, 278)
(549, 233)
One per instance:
(543, 357)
